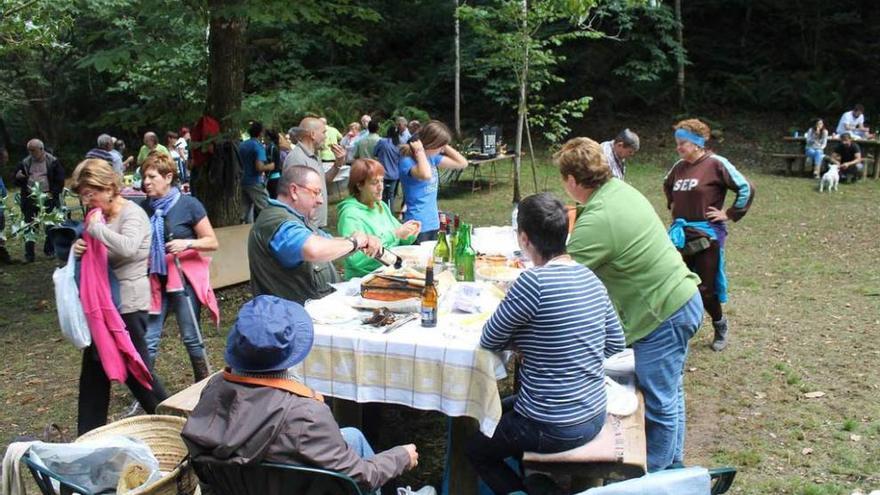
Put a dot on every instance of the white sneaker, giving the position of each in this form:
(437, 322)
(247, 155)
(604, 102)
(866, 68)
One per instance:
(425, 490)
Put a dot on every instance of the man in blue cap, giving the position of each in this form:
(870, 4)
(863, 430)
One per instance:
(257, 410)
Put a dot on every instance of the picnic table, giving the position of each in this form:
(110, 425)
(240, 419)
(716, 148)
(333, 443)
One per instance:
(475, 164)
(868, 146)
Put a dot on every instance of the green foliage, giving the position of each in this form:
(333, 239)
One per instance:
(519, 46)
(283, 108)
(29, 231)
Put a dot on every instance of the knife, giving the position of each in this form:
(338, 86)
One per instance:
(399, 323)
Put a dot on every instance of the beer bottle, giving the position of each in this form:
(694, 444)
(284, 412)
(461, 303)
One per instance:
(429, 298)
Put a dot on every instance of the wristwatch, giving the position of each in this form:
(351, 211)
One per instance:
(354, 244)
(189, 244)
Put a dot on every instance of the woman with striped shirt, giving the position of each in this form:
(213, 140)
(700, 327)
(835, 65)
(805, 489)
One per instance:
(558, 316)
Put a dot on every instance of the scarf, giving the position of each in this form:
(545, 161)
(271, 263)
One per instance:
(715, 231)
(160, 207)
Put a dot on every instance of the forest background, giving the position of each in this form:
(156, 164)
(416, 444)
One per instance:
(74, 69)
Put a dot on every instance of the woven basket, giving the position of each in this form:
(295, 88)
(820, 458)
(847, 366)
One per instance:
(162, 435)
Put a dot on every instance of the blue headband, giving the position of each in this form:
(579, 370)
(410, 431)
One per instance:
(690, 136)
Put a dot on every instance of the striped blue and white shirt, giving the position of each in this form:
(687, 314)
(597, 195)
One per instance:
(559, 317)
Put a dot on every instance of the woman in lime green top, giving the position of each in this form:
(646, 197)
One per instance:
(364, 211)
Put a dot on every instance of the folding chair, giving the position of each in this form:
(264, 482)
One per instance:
(270, 478)
(45, 478)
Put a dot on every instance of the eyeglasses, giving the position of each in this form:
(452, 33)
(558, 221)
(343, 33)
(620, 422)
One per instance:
(89, 194)
(316, 192)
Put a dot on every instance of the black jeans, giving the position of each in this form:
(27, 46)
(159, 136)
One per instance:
(516, 434)
(29, 211)
(94, 386)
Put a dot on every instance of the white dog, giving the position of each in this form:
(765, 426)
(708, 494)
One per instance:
(830, 179)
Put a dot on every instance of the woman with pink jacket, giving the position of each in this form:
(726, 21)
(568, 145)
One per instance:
(117, 233)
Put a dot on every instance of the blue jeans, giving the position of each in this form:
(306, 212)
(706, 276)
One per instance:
(660, 358)
(815, 156)
(356, 440)
(516, 434)
(188, 331)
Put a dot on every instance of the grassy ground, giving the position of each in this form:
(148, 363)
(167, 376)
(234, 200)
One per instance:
(804, 312)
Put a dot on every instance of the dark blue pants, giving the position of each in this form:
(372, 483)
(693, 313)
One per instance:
(516, 434)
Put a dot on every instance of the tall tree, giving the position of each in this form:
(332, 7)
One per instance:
(679, 80)
(521, 38)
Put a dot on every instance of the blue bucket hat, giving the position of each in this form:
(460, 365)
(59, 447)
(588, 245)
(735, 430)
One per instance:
(270, 334)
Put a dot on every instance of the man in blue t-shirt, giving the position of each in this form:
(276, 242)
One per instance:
(253, 163)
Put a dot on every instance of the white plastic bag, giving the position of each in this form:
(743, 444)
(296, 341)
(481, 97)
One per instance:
(70, 313)
(96, 464)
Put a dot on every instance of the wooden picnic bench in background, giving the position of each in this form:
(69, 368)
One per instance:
(870, 152)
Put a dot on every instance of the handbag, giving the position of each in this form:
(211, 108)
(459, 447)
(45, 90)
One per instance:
(70, 312)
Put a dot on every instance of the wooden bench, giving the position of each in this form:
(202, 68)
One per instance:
(790, 159)
(229, 263)
(618, 452)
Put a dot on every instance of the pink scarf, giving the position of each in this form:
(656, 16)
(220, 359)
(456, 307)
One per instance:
(109, 336)
(196, 269)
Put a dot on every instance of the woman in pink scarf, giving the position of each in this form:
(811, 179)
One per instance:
(118, 232)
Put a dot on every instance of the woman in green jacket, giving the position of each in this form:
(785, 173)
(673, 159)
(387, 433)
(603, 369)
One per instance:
(364, 211)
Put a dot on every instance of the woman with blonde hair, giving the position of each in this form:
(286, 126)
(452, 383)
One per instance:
(180, 229)
(420, 160)
(117, 232)
(695, 189)
(364, 211)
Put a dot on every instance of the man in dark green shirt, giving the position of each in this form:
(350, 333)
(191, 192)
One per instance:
(288, 256)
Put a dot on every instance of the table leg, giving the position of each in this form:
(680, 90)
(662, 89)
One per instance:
(462, 477)
(876, 162)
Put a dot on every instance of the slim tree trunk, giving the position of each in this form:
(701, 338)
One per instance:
(457, 74)
(521, 108)
(681, 58)
(226, 72)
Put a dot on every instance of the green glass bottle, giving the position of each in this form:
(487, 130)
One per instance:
(442, 253)
(465, 256)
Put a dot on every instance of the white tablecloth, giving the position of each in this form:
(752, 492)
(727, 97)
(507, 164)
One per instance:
(440, 369)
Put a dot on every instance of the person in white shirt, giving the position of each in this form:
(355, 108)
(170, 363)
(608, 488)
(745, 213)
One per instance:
(853, 122)
(624, 146)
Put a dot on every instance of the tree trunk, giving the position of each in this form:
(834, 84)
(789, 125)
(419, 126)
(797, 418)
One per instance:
(521, 108)
(681, 58)
(457, 74)
(226, 71)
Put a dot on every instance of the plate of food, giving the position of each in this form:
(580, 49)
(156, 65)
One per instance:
(330, 311)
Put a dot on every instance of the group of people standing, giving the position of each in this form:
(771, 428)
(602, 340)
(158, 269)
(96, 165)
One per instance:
(617, 278)
(621, 277)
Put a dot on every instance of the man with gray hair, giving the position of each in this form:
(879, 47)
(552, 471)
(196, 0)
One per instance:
(43, 169)
(104, 151)
(399, 132)
(307, 152)
(289, 256)
(625, 145)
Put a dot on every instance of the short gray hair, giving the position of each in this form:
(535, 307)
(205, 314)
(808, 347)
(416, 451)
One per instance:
(629, 139)
(105, 140)
(295, 174)
(35, 143)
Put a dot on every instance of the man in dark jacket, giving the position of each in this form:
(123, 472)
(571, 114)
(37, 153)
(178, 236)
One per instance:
(42, 168)
(257, 411)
